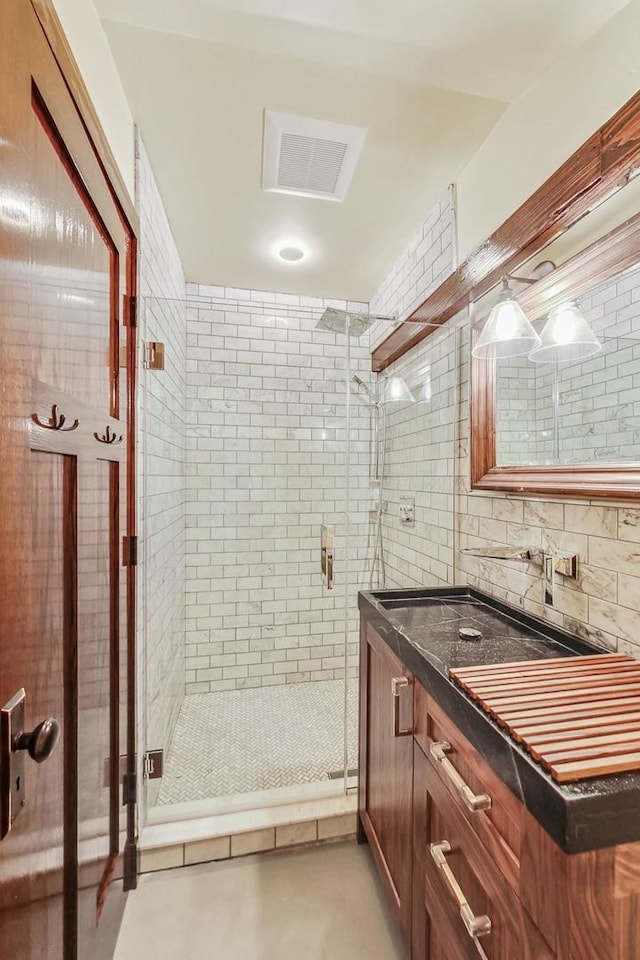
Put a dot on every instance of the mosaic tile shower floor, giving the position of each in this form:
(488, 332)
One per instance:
(238, 741)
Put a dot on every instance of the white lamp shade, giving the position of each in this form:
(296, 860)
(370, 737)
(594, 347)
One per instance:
(507, 332)
(566, 336)
(395, 389)
(425, 390)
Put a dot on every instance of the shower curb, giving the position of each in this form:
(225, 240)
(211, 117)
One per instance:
(245, 843)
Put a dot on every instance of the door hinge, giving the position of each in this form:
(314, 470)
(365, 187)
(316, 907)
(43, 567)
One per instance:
(129, 789)
(129, 551)
(106, 771)
(130, 879)
(153, 764)
(154, 355)
(130, 311)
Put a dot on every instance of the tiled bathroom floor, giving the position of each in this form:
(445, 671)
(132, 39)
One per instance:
(239, 741)
(316, 903)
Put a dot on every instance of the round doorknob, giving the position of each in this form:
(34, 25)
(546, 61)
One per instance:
(41, 742)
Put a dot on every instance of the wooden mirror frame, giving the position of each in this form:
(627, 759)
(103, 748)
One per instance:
(607, 257)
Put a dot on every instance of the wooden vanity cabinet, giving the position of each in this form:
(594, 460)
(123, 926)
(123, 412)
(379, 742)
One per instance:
(386, 768)
(456, 866)
(434, 788)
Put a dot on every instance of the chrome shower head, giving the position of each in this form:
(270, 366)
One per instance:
(343, 321)
(365, 387)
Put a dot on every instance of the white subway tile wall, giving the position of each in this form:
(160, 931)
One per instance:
(420, 436)
(420, 466)
(266, 468)
(522, 413)
(162, 466)
(598, 406)
(599, 399)
(428, 260)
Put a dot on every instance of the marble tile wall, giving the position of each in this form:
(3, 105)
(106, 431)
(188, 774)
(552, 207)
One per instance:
(266, 468)
(162, 467)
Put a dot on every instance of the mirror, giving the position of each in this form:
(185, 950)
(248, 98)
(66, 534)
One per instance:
(571, 426)
(585, 411)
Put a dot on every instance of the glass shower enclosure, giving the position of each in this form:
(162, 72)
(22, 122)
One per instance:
(274, 472)
(253, 439)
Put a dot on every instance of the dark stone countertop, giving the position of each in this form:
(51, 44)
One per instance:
(421, 627)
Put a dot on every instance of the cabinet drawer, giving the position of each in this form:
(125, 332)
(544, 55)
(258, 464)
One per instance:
(470, 907)
(489, 807)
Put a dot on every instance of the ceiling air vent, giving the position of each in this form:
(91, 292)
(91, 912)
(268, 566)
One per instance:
(309, 158)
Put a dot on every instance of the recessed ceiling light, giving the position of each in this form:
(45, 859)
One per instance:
(291, 254)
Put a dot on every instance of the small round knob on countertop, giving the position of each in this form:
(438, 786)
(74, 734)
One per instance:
(42, 740)
(469, 633)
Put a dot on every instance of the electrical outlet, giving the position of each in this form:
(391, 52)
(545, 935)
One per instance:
(406, 511)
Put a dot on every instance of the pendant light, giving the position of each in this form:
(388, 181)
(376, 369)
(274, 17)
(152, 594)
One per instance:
(507, 332)
(566, 336)
(396, 389)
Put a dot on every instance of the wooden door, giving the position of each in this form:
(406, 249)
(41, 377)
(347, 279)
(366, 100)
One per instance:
(67, 262)
(386, 768)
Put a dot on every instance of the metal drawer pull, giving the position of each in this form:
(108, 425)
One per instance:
(398, 684)
(475, 926)
(474, 801)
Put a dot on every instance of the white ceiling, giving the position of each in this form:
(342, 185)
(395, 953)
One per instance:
(428, 78)
(491, 48)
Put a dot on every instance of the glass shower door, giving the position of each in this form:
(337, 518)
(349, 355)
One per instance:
(248, 437)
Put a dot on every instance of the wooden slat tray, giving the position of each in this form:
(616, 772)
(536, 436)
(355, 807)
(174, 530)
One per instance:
(577, 716)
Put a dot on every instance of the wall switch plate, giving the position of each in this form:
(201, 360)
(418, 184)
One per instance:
(406, 511)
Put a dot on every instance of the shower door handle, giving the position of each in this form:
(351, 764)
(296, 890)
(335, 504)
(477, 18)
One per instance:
(330, 569)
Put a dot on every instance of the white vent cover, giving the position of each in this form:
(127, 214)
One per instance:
(309, 158)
